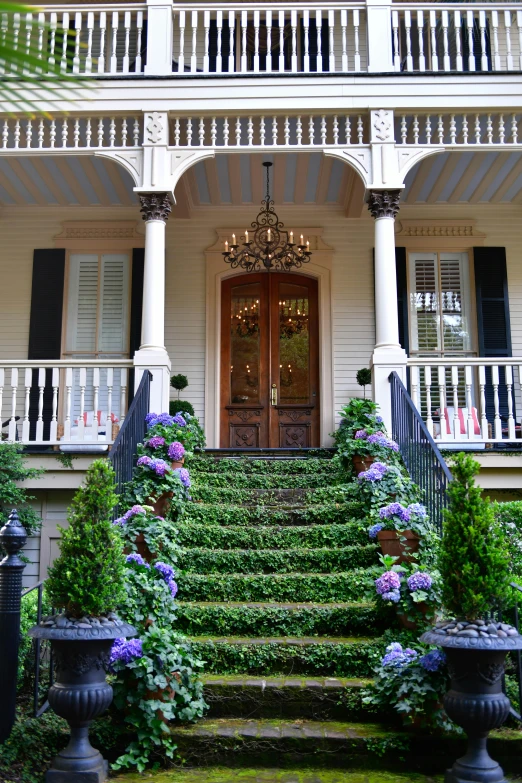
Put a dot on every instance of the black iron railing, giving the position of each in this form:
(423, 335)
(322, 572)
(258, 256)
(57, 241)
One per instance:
(42, 653)
(421, 456)
(133, 429)
(517, 659)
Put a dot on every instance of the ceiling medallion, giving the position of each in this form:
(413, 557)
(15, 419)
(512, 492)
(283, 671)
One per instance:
(271, 247)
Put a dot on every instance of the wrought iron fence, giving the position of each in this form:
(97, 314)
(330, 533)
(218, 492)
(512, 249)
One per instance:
(132, 432)
(42, 654)
(421, 456)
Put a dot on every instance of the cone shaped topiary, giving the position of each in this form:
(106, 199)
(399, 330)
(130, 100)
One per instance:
(88, 576)
(473, 558)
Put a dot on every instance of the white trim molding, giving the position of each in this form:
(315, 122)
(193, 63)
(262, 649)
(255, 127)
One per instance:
(216, 271)
(429, 234)
(93, 234)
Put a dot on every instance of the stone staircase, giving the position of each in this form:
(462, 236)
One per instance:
(274, 559)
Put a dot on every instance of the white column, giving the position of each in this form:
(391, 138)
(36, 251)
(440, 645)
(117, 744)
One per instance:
(152, 354)
(388, 356)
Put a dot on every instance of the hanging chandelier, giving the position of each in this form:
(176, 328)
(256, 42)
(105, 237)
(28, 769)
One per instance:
(271, 246)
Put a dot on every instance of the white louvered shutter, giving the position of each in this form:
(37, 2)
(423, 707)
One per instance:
(424, 303)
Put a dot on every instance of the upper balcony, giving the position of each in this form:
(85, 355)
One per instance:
(227, 39)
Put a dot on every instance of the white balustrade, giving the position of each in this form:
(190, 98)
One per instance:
(457, 37)
(67, 402)
(460, 129)
(271, 39)
(286, 131)
(69, 133)
(475, 401)
(80, 40)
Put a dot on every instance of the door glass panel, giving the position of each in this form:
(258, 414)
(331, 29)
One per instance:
(294, 344)
(245, 344)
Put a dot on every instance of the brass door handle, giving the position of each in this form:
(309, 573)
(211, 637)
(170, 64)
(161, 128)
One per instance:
(274, 394)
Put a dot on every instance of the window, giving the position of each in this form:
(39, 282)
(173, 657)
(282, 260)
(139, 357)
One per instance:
(439, 304)
(97, 324)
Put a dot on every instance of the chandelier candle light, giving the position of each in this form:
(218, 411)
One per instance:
(271, 246)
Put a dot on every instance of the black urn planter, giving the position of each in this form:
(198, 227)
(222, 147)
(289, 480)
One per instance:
(475, 700)
(80, 692)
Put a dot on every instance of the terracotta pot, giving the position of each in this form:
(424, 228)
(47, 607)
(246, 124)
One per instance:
(177, 464)
(362, 462)
(143, 549)
(391, 544)
(161, 505)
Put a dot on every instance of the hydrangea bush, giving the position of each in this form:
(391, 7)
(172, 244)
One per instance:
(181, 428)
(410, 684)
(410, 587)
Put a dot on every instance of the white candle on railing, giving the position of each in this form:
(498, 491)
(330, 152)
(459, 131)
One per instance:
(233, 239)
(291, 237)
(226, 245)
(246, 237)
(269, 235)
(302, 239)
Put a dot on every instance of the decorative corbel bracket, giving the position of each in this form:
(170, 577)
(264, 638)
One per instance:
(358, 157)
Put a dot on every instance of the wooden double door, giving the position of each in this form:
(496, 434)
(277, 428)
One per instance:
(269, 361)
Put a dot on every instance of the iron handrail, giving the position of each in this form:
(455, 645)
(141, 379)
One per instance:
(37, 710)
(422, 458)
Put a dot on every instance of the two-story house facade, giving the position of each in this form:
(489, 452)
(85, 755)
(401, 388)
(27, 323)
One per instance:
(394, 131)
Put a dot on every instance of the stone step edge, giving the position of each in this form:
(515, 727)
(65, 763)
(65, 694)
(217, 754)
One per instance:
(290, 574)
(283, 641)
(281, 729)
(292, 550)
(283, 682)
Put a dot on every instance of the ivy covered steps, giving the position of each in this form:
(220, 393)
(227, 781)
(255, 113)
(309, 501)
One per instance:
(274, 561)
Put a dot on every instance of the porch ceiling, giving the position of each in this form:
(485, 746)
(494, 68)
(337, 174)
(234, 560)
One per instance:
(304, 179)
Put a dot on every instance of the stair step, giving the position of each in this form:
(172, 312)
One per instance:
(255, 537)
(319, 655)
(277, 619)
(315, 698)
(265, 481)
(322, 588)
(272, 466)
(338, 493)
(276, 454)
(225, 514)
(275, 561)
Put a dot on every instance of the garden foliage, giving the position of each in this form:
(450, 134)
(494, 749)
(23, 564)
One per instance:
(13, 472)
(474, 562)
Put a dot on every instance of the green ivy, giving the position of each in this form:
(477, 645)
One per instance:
(265, 516)
(266, 467)
(260, 481)
(250, 561)
(321, 588)
(333, 658)
(276, 620)
(259, 537)
(13, 473)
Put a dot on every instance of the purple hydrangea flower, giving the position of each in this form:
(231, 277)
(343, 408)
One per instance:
(374, 529)
(144, 461)
(395, 510)
(433, 660)
(125, 650)
(380, 439)
(389, 581)
(419, 581)
(374, 473)
(176, 451)
(132, 512)
(171, 584)
(397, 657)
(165, 570)
(178, 419)
(361, 435)
(378, 419)
(160, 467)
(136, 558)
(159, 418)
(184, 476)
(155, 443)
(393, 595)
(418, 510)
(150, 418)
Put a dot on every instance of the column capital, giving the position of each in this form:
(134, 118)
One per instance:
(384, 203)
(155, 206)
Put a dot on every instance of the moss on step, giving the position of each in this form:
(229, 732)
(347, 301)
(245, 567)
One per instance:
(264, 466)
(267, 481)
(350, 657)
(224, 775)
(320, 588)
(278, 619)
(276, 561)
(337, 494)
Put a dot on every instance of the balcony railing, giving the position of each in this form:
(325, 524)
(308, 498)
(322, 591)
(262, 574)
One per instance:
(191, 38)
(473, 401)
(68, 403)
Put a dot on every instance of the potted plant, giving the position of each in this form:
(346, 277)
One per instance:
(399, 530)
(182, 428)
(87, 581)
(474, 567)
(366, 447)
(363, 378)
(411, 588)
(157, 485)
(148, 534)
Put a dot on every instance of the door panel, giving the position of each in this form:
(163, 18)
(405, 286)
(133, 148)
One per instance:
(269, 362)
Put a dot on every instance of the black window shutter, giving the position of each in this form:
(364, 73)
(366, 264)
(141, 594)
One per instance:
(138, 266)
(494, 328)
(213, 45)
(312, 44)
(402, 297)
(45, 326)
